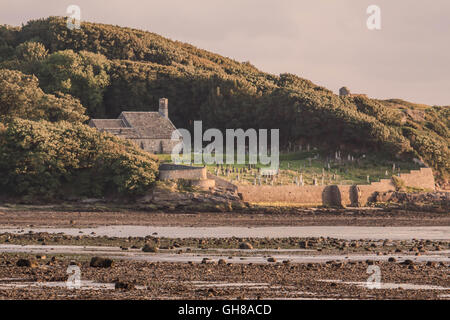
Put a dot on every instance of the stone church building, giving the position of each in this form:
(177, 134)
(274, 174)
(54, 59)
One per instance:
(151, 131)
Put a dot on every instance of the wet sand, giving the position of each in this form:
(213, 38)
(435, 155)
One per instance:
(180, 255)
(310, 254)
(298, 217)
(162, 280)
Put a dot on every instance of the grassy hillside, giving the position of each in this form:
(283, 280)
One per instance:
(111, 69)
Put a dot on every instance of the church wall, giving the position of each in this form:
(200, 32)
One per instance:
(156, 145)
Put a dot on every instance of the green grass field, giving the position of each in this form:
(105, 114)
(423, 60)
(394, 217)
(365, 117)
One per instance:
(312, 165)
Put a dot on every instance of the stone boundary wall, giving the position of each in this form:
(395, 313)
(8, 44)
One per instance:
(334, 194)
(367, 191)
(308, 195)
(422, 178)
(175, 172)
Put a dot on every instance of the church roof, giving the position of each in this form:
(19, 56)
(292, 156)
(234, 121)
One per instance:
(137, 125)
(108, 123)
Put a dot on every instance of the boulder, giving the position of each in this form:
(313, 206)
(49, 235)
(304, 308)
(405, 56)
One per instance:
(303, 244)
(245, 246)
(222, 262)
(124, 285)
(149, 248)
(408, 262)
(392, 259)
(27, 263)
(207, 260)
(98, 262)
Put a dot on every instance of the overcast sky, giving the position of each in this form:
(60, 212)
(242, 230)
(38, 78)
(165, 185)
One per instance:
(326, 41)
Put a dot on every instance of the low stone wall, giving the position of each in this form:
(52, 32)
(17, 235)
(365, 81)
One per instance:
(311, 195)
(175, 172)
(422, 178)
(333, 195)
(347, 195)
(368, 191)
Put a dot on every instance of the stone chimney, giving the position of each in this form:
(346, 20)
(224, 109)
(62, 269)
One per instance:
(164, 107)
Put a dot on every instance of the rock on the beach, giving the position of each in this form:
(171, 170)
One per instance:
(207, 260)
(149, 248)
(98, 262)
(408, 262)
(271, 259)
(26, 263)
(245, 246)
(124, 285)
(303, 244)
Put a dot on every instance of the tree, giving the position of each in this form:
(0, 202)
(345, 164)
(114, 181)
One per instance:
(21, 97)
(83, 75)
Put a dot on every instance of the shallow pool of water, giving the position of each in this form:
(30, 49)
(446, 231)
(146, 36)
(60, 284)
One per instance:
(386, 285)
(84, 285)
(248, 256)
(341, 232)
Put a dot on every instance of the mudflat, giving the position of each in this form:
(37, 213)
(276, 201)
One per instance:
(294, 217)
(158, 255)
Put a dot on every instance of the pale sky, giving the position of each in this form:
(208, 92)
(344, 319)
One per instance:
(325, 41)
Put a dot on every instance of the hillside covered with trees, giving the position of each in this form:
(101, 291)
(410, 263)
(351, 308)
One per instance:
(57, 78)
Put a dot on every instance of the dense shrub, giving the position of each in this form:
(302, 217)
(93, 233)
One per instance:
(21, 97)
(57, 160)
(82, 75)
